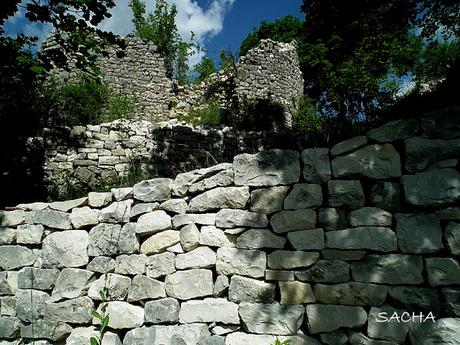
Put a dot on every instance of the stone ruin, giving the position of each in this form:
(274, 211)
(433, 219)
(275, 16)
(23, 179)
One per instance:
(270, 71)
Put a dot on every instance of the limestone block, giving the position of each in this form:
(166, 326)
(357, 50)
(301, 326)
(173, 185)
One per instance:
(143, 287)
(304, 195)
(317, 168)
(153, 222)
(190, 284)
(243, 289)
(285, 221)
(419, 233)
(219, 198)
(268, 200)
(329, 317)
(209, 310)
(249, 263)
(66, 249)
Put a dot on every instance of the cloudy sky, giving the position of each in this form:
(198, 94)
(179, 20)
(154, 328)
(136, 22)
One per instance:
(217, 24)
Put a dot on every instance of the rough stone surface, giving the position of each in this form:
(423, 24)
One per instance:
(228, 218)
(386, 195)
(348, 145)
(158, 243)
(329, 318)
(444, 331)
(264, 318)
(30, 304)
(221, 285)
(143, 287)
(117, 212)
(99, 199)
(76, 310)
(202, 257)
(394, 130)
(369, 216)
(111, 239)
(452, 298)
(209, 310)
(153, 222)
(12, 218)
(189, 237)
(432, 188)
(239, 338)
(66, 249)
(268, 200)
(218, 198)
(83, 217)
(124, 315)
(351, 294)
(284, 259)
(416, 298)
(190, 284)
(130, 264)
(117, 287)
(389, 269)
(52, 219)
(29, 234)
(307, 239)
(332, 218)
(326, 271)
(214, 237)
(373, 161)
(83, 335)
(443, 271)
(286, 221)
(71, 283)
(304, 195)
(345, 193)
(243, 289)
(317, 168)
(51, 330)
(296, 293)
(279, 275)
(393, 330)
(422, 152)
(239, 261)
(158, 189)
(12, 257)
(269, 168)
(165, 310)
(37, 278)
(452, 234)
(363, 237)
(419, 233)
(101, 264)
(260, 238)
(160, 265)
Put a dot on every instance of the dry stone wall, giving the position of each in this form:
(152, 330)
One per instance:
(316, 246)
(90, 155)
(134, 69)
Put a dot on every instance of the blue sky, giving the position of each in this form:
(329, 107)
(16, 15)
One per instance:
(218, 24)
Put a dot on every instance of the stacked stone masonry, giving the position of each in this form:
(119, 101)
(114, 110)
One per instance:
(269, 71)
(311, 246)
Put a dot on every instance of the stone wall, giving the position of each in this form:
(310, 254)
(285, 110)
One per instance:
(270, 71)
(88, 156)
(311, 246)
(135, 68)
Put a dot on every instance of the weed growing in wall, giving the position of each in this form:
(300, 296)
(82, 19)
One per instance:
(284, 342)
(209, 114)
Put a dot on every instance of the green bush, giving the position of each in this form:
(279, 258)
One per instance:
(84, 100)
(209, 114)
(307, 118)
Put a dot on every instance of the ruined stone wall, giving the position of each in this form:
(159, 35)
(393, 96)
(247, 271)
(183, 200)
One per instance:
(312, 246)
(135, 70)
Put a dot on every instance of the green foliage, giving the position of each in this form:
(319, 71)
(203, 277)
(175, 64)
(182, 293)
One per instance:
(204, 69)
(284, 342)
(101, 315)
(436, 60)
(227, 60)
(85, 100)
(265, 114)
(307, 118)
(160, 28)
(284, 29)
(209, 114)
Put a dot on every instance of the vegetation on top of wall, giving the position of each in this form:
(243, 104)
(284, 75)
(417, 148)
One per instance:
(85, 100)
(208, 114)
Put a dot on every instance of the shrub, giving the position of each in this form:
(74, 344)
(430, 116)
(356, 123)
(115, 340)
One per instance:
(209, 114)
(84, 100)
(307, 118)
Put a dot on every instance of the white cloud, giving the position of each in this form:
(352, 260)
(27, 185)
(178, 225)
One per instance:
(205, 23)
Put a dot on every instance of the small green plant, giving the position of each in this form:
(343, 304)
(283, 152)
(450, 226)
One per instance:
(118, 107)
(307, 119)
(209, 114)
(101, 315)
(284, 342)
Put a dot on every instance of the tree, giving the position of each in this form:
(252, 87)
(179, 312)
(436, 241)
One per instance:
(284, 29)
(160, 28)
(204, 69)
